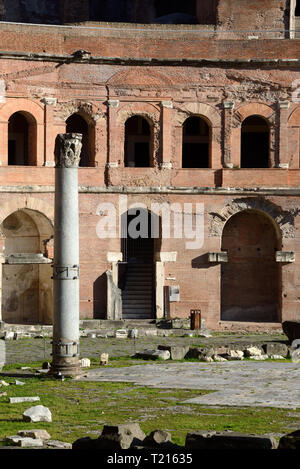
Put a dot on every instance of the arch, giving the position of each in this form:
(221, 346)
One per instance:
(196, 142)
(284, 221)
(147, 77)
(22, 105)
(138, 142)
(23, 202)
(200, 109)
(27, 286)
(78, 123)
(294, 118)
(251, 279)
(255, 108)
(255, 142)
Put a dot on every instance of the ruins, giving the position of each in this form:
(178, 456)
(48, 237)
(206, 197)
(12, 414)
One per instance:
(180, 105)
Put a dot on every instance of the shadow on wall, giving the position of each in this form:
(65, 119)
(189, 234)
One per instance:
(100, 297)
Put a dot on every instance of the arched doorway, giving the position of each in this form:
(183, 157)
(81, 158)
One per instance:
(250, 280)
(137, 271)
(255, 143)
(26, 275)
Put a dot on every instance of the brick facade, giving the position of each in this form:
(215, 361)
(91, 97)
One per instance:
(166, 74)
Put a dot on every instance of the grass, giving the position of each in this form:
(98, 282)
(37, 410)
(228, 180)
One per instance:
(81, 409)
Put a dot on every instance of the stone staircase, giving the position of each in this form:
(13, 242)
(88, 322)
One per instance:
(137, 296)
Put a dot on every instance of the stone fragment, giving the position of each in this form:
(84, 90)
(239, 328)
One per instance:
(157, 438)
(36, 434)
(91, 335)
(290, 441)
(253, 351)
(259, 357)
(218, 358)
(121, 334)
(177, 352)
(234, 355)
(228, 440)
(200, 353)
(296, 343)
(9, 335)
(104, 359)
(133, 333)
(37, 413)
(56, 444)
(85, 362)
(4, 383)
(24, 442)
(291, 329)
(296, 356)
(18, 400)
(19, 383)
(276, 357)
(154, 354)
(275, 349)
(120, 437)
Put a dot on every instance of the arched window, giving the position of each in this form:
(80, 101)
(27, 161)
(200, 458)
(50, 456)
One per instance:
(137, 142)
(196, 143)
(77, 124)
(21, 139)
(255, 143)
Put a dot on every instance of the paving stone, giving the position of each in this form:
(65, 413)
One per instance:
(56, 444)
(200, 440)
(37, 414)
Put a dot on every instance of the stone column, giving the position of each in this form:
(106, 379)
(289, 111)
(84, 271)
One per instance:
(65, 343)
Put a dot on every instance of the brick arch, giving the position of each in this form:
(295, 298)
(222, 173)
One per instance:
(34, 109)
(199, 109)
(146, 77)
(284, 221)
(257, 109)
(294, 119)
(27, 203)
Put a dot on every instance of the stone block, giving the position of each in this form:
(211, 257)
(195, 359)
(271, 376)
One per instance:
(295, 343)
(228, 440)
(158, 439)
(290, 441)
(104, 359)
(180, 323)
(154, 354)
(24, 442)
(291, 329)
(275, 349)
(121, 334)
(285, 257)
(37, 413)
(56, 444)
(296, 356)
(253, 351)
(234, 355)
(2, 354)
(200, 353)
(18, 400)
(36, 434)
(85, 362)
(177, 352)
(120, 437)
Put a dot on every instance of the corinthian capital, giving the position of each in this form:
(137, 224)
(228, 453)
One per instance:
(67, 150)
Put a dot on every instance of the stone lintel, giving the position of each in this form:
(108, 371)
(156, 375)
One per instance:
(25, 258)
(285, 256)
(221, 256)
(114, 256)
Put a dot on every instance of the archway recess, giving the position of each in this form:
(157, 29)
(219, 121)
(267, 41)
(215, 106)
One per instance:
(251, 279)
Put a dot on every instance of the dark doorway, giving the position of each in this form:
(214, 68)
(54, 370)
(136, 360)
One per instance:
(175, 12)
(297, 10)
(136, 273)
(137, 142)
(77, 124)
(255, 143)
(250, 280)
(195, 143)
